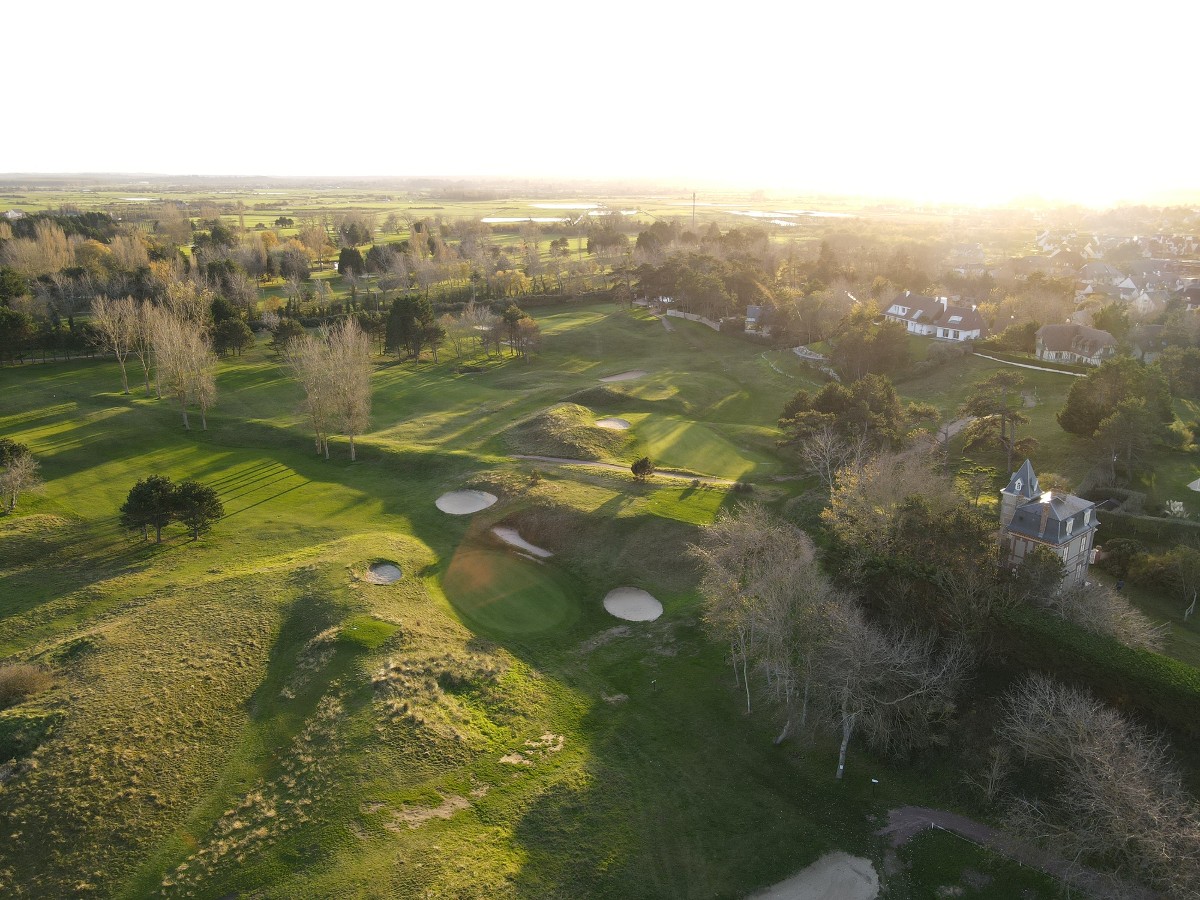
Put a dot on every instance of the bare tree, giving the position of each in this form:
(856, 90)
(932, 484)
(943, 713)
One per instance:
(826, 452)
(1100, 609)
(1114, 794)
(18, 477)
(894, 687)
(308, 357)
(350, 374)
(184, 363)
(117, 321)
(143, 339)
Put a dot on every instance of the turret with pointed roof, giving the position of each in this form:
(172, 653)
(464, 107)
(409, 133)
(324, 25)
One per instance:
(1061, 522)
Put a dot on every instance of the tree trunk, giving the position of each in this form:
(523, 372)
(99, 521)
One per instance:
(203, 421)
(158, 534)
(186, 426)
(847, 730)
(783, 734)
(351, 448)
(124, 375)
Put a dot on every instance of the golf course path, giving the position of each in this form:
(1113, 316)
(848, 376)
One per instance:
(907, 822)
(613, 467)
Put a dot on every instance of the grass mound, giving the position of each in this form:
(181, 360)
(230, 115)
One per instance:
(567, 430)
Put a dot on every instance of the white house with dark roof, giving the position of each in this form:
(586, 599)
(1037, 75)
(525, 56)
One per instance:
(1074, 343)
(936, 317)
(1063, 523)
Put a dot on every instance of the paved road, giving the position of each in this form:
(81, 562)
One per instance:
(1005, 362)
(613, 467)
(907, 822)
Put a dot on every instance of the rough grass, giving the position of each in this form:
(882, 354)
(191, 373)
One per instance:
(567, 430)
(17, 682)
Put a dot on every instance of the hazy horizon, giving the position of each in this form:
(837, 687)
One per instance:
(933, 103)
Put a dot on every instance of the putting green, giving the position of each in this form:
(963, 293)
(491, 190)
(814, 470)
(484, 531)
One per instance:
(504, 593)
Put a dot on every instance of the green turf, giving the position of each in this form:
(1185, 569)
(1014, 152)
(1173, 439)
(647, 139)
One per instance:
(247, 707)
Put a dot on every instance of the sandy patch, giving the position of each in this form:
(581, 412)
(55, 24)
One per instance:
(614, 423)
(513, 538)
(383, 573)
(604, 637)
(416, 816)
(463, 503)
(835, 876)
(535, 749)
(625, 376)
(632, 604)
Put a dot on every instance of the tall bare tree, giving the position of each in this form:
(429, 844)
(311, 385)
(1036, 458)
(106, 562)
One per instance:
(308, 357)
(117, 321)
(184, 363)
(892, 686)
(350, 375)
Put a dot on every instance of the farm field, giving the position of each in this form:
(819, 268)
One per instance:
(249, 713)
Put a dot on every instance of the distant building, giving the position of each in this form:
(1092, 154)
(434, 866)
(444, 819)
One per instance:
(1075, 343)
(936, 317)
(1063, 523)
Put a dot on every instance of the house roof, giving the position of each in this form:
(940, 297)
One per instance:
(1051, 517)
(1075, 338)
(929, 311)
(1024, 482)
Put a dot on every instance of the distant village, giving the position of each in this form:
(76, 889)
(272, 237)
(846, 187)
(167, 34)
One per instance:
(1145, 277)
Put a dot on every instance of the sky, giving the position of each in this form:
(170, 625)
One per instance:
(951, 102)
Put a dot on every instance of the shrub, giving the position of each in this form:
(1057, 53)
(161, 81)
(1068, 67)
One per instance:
(642, 468)
(20, 681)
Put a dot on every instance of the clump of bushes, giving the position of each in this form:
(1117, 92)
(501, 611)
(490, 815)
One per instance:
(17, 682)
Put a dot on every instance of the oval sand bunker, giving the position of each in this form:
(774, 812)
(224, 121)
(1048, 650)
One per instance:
(463, 503)
(613, 423)
(383, 573)
(513, 538)
(625, 376)
(632, 604)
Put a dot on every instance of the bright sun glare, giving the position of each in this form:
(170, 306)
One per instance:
(930, 101)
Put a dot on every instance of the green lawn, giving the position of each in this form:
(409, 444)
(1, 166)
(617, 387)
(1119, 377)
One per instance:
(244, 713)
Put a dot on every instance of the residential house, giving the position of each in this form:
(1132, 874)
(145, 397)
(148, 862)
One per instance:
(1075, 343)
(1061, 522)
(1148, 342)
(936, 317)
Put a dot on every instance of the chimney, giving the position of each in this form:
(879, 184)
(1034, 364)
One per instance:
(1045, 519)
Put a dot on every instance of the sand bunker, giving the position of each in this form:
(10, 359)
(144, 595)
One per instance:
(632, 604)
(613, 423)
(512, 537)
(835, 876)
(625, 376)
(383, 573)
(463, 503)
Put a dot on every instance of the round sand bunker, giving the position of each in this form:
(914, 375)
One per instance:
(383, 573)
(625, 376)
(463, 503)
(632, 604)
(613, 423)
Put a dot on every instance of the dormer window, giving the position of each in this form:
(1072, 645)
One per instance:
(1070, 525)
(1017, 485)
(1087, 516)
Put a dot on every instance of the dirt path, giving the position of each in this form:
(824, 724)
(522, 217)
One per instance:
(944, 434)
(907, 822)
(613, 467)
(1005, 362)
